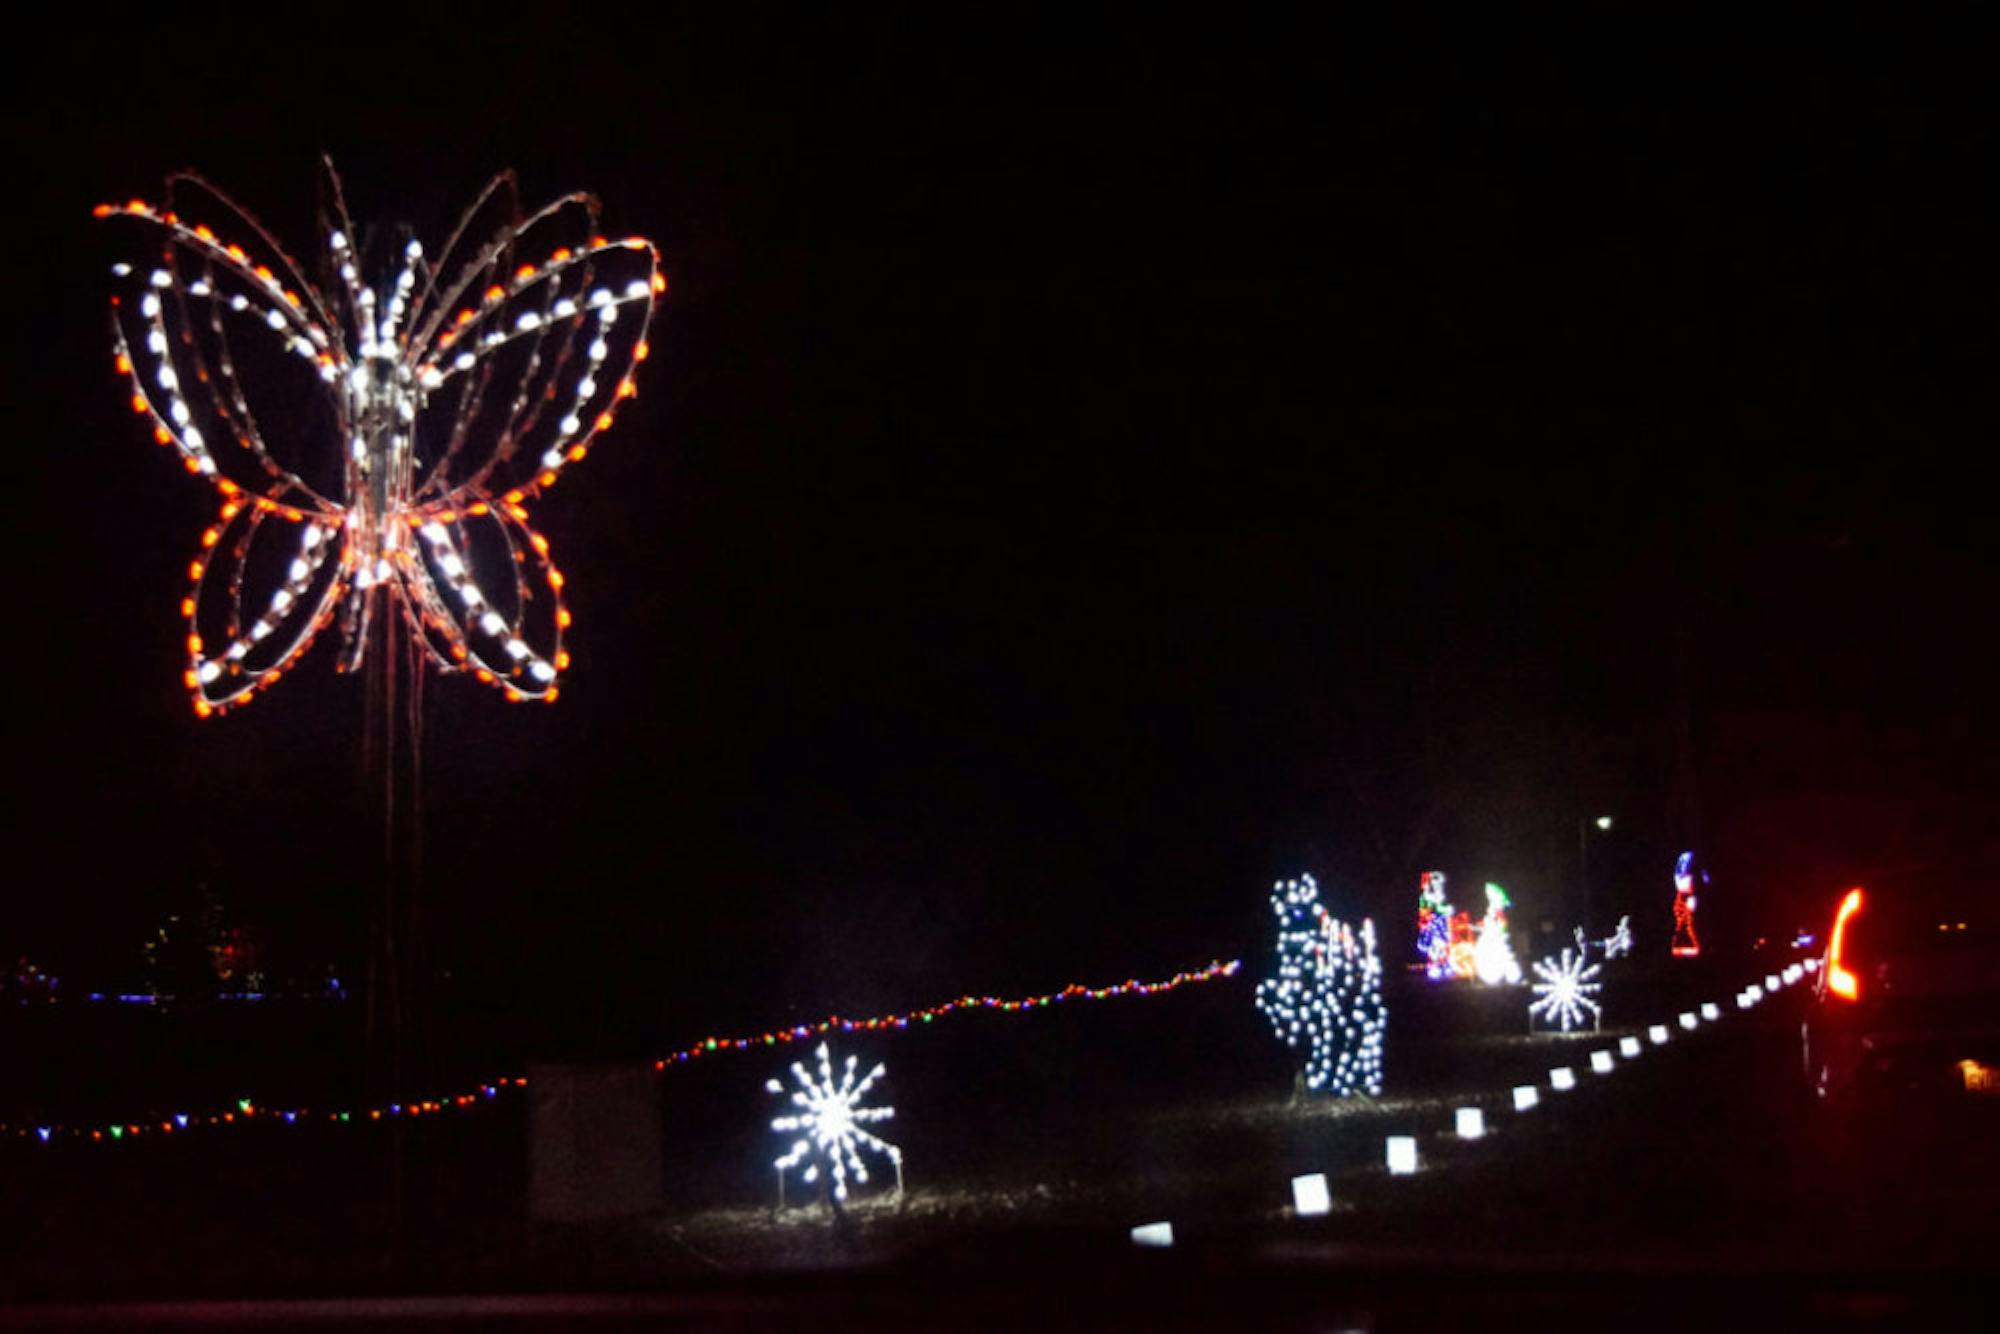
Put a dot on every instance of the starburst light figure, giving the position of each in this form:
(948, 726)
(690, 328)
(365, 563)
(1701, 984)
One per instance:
(1564, 992)
(831, 1123)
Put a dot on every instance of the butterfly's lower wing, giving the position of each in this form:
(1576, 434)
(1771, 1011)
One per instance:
(488, 597)
(526, 352)
(264, 583)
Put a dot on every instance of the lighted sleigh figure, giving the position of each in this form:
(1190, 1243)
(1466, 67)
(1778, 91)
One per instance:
(376, 438)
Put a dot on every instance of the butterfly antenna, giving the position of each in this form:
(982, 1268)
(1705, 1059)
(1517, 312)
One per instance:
(505, 186)
(249, 220)
(343, 277)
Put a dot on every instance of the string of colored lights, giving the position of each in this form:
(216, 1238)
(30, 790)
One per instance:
(246, 1111)
(1073, 992)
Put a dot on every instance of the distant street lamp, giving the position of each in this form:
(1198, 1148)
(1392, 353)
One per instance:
(1603, 823)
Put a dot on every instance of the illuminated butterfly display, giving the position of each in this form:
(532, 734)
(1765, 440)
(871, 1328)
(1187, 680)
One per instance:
(377, 436)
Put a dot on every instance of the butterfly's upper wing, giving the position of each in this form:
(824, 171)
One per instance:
(525, 346)
(231, 353)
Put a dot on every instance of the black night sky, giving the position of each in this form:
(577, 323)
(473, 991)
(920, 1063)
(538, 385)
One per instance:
(1089, 468)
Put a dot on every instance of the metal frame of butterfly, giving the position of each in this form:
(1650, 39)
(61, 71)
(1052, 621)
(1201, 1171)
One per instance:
(376, 437)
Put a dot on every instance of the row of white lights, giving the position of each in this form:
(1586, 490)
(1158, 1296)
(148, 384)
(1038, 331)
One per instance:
(1312, 1196)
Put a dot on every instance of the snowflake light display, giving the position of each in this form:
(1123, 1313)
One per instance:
(832, 1124)
(1325, 994)
(375, 440)
(1564, 992)
(1434, 927)
(1493, 954)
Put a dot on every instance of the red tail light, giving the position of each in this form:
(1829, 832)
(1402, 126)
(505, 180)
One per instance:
(1839, 980)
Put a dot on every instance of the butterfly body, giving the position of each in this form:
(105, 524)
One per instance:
(448, 396)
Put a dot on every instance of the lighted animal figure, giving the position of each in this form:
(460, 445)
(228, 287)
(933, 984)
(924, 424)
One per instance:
(1493, 960)
(1433, 927)
(1686, 944)
(1325, 993)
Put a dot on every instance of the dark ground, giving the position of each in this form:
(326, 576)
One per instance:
(1035, 1141)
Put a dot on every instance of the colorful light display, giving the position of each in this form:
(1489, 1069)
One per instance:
(1493, 955)
(1564, 992)
(832, 1125)
(246, 1112)
(1434, 927)
(1325, 993)
(375, 445)
(1685, 943)
(887, 1022)
(1463, 950)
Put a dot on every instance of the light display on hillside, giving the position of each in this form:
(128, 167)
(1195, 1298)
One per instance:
(1686, 943)
(1619, 942)
(1324, 995)
(375, 440)
(832, 1125)
(246, 1113)
(1493, 955)
(1434, 927)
